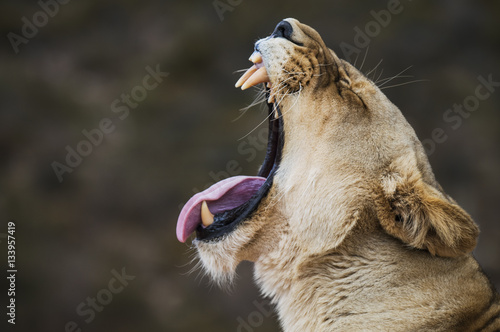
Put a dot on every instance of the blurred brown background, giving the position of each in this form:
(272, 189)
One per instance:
(118, 207)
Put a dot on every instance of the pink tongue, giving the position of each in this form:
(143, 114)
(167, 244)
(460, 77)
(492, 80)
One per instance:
(224, 195)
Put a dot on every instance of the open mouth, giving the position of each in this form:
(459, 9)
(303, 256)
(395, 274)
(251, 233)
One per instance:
(218, 210)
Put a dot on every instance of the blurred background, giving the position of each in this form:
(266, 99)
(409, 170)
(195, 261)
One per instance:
(102, 226)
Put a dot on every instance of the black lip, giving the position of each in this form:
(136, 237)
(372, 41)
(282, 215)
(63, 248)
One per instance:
(226, 221)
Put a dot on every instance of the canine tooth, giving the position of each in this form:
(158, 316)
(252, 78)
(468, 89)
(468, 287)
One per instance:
(245, 76)
(271, 99)
(207, 218)
(260, 76)
(256, 57)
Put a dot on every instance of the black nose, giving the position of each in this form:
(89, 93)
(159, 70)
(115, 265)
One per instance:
(283, 30)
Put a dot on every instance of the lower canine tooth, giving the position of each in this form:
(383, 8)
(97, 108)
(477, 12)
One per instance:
(271, 99)
(207, 218)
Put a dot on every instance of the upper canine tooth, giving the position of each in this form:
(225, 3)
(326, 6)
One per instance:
(260, 76)
(207, 218)
(256, 57)
(245, 76)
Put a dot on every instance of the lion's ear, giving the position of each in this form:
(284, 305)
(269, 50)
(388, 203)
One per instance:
(422, 216)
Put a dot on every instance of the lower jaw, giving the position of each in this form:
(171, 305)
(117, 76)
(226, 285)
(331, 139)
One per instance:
(227, 221)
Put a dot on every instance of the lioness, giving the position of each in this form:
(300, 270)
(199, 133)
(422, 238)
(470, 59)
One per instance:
(347, 226)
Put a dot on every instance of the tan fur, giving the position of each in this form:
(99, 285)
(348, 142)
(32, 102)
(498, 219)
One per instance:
(355, 234)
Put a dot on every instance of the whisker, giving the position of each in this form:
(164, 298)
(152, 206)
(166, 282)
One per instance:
(296, 72)
(373, 76)
(356, 60)
(246, 109)
(241, 70)
(389, 78)
(259, 98)
(394, 77)
(293, 105)
(395, 85)
(374, 68)
(255, 128)
(380, 75)
(366, 53)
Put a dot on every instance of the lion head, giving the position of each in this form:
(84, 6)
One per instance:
(341, 161)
